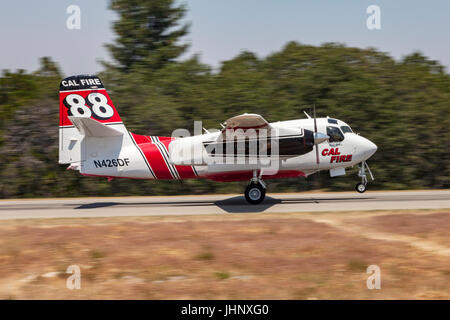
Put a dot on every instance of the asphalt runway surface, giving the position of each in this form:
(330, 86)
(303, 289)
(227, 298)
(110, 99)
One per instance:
(221, 204)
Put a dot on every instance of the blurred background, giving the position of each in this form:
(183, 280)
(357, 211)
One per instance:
(166, 63)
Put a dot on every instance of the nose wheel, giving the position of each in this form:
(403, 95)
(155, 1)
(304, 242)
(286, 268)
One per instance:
(362, 186)
(255, 192)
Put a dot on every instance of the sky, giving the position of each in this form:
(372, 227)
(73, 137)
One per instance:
(220, 29)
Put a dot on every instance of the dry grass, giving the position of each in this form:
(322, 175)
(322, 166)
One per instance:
(276, 256)
(434, 227)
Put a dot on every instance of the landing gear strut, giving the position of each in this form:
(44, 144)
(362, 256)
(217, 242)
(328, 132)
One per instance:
(362, 186)
(256, 190)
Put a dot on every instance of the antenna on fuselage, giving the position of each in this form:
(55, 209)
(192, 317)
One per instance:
(309, 117)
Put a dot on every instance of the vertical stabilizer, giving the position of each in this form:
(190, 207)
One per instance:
(82, 96)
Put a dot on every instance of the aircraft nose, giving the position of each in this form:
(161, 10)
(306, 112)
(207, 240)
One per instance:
(368, 148)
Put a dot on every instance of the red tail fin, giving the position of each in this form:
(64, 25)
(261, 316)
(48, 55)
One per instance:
(85, 96)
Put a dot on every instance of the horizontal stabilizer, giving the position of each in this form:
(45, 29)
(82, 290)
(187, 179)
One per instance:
(92, 128)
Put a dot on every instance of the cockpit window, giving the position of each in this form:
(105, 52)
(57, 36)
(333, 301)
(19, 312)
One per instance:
(335, 134)
(346, 129)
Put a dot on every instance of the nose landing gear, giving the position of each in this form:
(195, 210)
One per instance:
(362, 186)
(255, 192)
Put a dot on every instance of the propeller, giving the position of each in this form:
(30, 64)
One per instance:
(318, 138)
(315, 136)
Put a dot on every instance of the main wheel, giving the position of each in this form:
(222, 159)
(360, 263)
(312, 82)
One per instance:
(255, 193)
(361, 187)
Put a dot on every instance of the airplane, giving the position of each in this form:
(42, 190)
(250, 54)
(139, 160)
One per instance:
(94, 141)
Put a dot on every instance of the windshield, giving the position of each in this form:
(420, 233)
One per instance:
(335, 134)
(346, 129)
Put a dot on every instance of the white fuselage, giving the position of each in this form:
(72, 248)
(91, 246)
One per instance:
(351, 150)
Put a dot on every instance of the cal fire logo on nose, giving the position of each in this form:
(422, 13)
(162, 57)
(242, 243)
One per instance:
(336, 155)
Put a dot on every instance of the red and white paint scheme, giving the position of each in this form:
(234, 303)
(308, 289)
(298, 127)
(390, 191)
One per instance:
(94, 140)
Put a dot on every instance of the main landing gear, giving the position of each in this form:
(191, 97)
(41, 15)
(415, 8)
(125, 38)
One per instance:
(362, 186)
(256, 190)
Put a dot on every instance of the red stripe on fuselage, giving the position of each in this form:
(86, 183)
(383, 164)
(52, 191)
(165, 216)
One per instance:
(153, 156)
(156, 159)
(185, 172)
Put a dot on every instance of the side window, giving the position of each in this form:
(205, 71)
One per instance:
(335, 134)
(346, 129)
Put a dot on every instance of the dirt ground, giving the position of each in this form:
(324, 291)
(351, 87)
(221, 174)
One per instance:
(248, 256)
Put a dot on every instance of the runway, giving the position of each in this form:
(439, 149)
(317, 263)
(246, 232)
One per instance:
(221, 204)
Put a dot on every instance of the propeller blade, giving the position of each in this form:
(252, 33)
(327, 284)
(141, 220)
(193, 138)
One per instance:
(315, 135)
(317, 155)
(315, 121)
